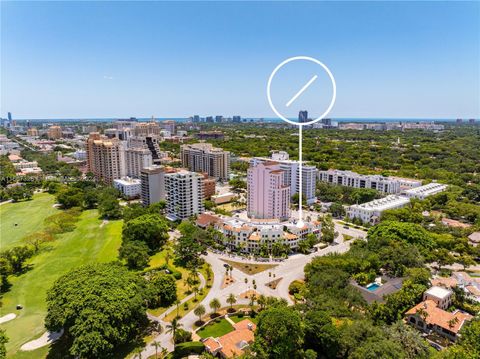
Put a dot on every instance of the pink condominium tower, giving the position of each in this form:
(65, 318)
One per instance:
(268, 194)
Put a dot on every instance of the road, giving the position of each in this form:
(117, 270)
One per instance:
(289, 270)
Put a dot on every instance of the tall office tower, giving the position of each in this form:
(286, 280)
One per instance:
(292, 174)
(136, 159)
(196, 118)
(153, 184)
(168, 125)
(105, 158)
(54, 132)
(203, 157)
(146, 129)
(218, 118)
(303, 116)
(9, 116)
(209, 119)
(268, 193)
(237, 119)
(327, 121)
(184, 194)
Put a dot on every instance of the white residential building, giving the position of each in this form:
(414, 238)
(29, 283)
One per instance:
(425, 191)
(25, 164)
(184, 194)
(388, 185)
(441, 296)
(292, 175)
(129, 187)
(370, 212)
(152, 184)
(136, 159)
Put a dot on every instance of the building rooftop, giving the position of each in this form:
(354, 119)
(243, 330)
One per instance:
(438, 292)
(437, 316)
(383, 203)
(426, 190)
(127, 181)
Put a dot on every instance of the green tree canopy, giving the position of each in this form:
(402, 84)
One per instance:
(100, 306)
(151, 229)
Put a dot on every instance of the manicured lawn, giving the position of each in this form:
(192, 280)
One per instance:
(250, 268)
(86, 244)
(192, 303)
(28, 215)
(216, 330)
(236, 318)
(159, 259)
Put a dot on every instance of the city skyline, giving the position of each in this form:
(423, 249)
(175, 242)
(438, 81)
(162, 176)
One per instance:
(395, 60)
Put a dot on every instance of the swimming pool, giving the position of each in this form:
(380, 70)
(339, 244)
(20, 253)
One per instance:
(372, 287)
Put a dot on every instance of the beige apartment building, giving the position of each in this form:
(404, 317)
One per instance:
(146, 129)
(54, 132)
(203, 157)
(105, 158)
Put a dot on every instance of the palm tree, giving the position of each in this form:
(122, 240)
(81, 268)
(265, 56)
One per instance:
(252, 302)
(177, 303)
(231, 300)
(422, 313)
(156, 345)
(173, 327)
(452, 322)
(195, 291)
(215, 305)
(138, 351)
(199, 311)
(262, 301)
(163, 353)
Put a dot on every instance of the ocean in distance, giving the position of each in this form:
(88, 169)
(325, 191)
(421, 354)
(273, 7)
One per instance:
(265, 119)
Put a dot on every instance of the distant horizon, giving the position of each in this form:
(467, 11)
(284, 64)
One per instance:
(267, 119)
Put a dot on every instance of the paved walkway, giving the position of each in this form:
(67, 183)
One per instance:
(289, 270)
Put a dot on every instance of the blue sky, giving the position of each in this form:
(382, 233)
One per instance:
(176, 59)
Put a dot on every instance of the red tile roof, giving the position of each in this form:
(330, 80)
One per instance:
(440, 317)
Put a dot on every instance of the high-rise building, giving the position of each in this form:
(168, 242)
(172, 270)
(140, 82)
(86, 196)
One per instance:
(218, 118)
(184, 194)
(196, 118)
(54, 132)
(209, 119)
(203, 157)
(209, 186)
(148, 142)
(303, 116)
(168, 125)
(32, 131)
(105, 158)
(291, 173)
(152, 184)
(268, 192)
(237, 119)
(146, 129)
(136, 159)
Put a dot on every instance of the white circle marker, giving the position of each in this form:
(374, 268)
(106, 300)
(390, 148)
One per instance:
(324, 68)
(300, 125)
